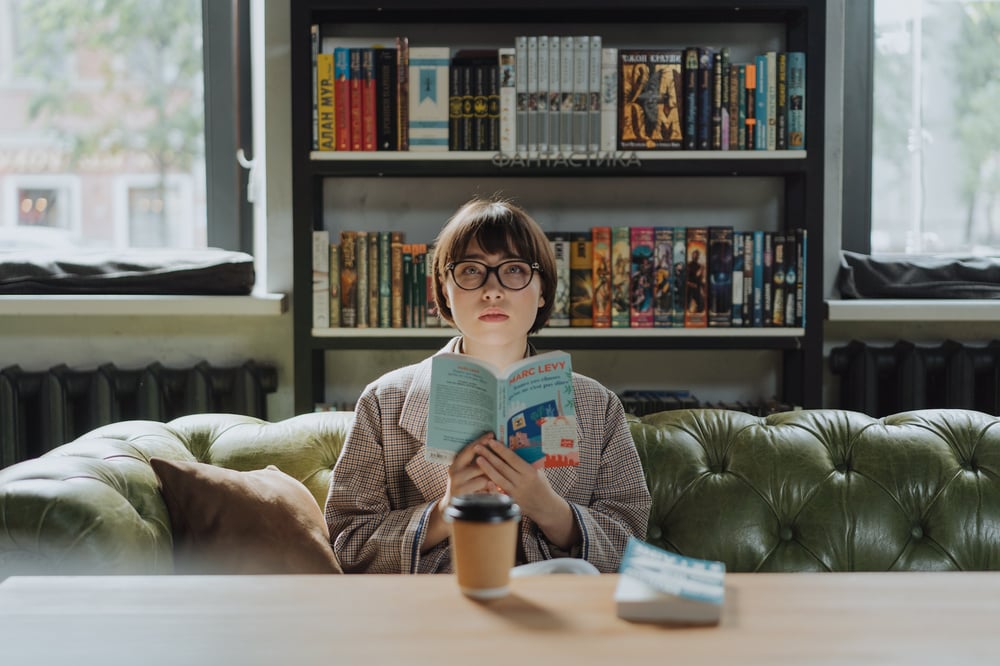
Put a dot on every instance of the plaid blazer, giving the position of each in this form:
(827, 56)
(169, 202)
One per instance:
(382, 490)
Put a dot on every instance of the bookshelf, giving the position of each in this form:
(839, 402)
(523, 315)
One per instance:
(795, 178)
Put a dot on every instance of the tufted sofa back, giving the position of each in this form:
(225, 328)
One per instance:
(825, 490)
(820, 490)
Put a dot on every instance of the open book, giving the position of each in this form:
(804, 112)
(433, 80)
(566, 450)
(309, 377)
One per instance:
(528, 405)
(659, 586)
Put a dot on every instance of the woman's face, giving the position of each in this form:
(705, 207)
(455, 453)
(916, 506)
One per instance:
(493, 314)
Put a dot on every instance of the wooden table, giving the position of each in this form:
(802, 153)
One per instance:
(898, 618)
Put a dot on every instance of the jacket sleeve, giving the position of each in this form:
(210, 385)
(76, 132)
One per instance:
(367, 534)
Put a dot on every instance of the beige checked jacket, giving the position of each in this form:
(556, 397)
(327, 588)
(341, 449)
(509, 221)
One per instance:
(382, 490)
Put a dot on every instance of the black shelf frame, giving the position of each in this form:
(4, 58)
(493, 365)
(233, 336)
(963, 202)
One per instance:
(805, 30)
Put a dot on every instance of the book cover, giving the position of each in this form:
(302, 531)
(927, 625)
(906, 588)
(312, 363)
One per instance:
(560, 308)
(663, 291)
(581, 93)
(796, 100)
(428, 98)
(374, 275)
(529, 406)
(334, 285)
(609, 100)
(348, 279)
(621, 276)
(690, 98)
(581, 286)
(641, 279)
(521, 92)
(531, 71)
(321, 279)
(396, 277)
(720, 276)
(649, 88)
(696, 276)
(601, 276)
(542, 110)
(555, 96)
(342, 97)
(508, 101)
(361, 255)
(680, 276)
(594, 93)
(326, 121)
(737, 310)
(656, 585)
(386, 99)
(566, 94)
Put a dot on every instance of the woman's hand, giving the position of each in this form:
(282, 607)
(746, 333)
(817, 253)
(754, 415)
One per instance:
(464, 477)
(529, 487)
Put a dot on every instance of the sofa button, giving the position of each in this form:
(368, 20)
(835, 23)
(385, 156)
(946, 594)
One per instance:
(917, 532)
(786, 533)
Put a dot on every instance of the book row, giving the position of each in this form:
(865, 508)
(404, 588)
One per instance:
(693, 277)
(606, 277)
(552, 95)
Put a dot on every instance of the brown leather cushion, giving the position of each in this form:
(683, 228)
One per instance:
(230, 522)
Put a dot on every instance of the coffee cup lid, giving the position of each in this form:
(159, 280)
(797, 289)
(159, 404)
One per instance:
(482, 507)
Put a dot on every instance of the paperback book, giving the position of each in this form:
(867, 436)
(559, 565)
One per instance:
(528, 405)
(656, 585)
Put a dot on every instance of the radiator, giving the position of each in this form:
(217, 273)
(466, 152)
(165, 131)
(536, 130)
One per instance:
(41, 410)
(882, 380)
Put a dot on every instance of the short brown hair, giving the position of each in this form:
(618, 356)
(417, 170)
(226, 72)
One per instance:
(498, 226)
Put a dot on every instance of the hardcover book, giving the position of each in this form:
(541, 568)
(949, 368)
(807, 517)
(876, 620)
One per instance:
(656, 585)
(508, 101)
(594, 104)
(690, 98)
(696, 277)
(342, 97)
(680, 275)
(609, 100)
(531, 71)
(428, 98)
(796, 100)
(663, 290)
(566, 94)
(321, 279)
(581, 287)
(396, 278)
(521, 92)
(641, 280)
(738, 243)
(581, 93)
(374, 275)
(621, 272)
(528, 405)
(649, 88)
(720, 276)
(555, 97)
(334, 285)
(542, 99)
(601, 237)
(369, 101)
(387, 99)
(560, 309)
(348, 279)
(362, 302)
(326, 120)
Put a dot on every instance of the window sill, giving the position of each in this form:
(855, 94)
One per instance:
(255, 305)
(923, 310)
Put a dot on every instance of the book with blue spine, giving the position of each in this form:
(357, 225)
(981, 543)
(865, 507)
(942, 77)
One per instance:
(796, 100)
(428, 98)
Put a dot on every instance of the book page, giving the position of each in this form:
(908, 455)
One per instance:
(463, 405)
(540, 413)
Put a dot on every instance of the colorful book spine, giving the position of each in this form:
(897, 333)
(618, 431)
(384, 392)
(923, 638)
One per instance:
(385, 279)
(772, 98)
(737, 278)
(758, 279)
(741, 107)
(750, 107)
(521, 91)
(407, 285)
(690, 92)
(374, 286)
(696, 277)
(396, 278)
(508, 100)
(403, 93)
(767, 277)
(387, 99)
(748, 270)
(641, 299)
(715, 135)
(781, 103)
(621, 271)
(601, 276)
(609, 99)
(778, 281)
(724, 92)
(321, 279)
(428, 98)
(348, 279)
(326, 110)
(796, 100)
(581, 268)
(357, 94)
(760, 102)
(342, 97)
(431, 318)
(663, 291)
(560, 310)
(369, 101)
(704, 99)
(720, 276)
(802, 267)
(680, 276)
(735, 93)
(362, 302)
(334, 285)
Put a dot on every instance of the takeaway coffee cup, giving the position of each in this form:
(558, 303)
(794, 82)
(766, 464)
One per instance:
(483, 543)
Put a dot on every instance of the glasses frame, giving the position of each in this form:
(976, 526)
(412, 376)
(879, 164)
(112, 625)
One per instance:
(533, 265)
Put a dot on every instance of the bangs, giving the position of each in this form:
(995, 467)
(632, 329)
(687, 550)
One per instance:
(498, 231)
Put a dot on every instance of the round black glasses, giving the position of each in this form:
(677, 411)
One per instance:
(513, 274)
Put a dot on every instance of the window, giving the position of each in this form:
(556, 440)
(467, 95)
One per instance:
(133, 102)
(933, 152)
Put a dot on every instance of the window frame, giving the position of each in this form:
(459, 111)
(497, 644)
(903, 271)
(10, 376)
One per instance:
(858, 113)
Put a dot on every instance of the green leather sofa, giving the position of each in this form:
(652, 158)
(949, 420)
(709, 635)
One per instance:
(814, 490)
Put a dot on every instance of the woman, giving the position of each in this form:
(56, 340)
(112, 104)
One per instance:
(494, 280)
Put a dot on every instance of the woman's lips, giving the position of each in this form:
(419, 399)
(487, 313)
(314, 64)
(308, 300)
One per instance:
(493, 315)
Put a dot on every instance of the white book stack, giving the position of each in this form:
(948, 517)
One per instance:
(659, 586)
